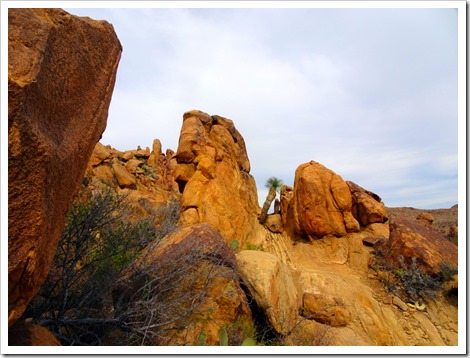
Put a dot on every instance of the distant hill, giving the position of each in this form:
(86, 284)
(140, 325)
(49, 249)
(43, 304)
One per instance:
(443, 218)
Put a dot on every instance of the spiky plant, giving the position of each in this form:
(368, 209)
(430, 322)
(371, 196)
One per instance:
(274, 185)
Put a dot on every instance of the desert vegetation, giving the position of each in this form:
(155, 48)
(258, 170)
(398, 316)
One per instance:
(99, 243)
(408, 280)
(274, 185)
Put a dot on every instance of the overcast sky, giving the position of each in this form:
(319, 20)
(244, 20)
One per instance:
(369, 93)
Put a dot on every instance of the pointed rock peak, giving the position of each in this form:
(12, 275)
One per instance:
(212, 166)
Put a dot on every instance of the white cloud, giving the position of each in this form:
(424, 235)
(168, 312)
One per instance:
(369, 93)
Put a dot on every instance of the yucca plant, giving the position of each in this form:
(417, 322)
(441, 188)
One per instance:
(274, 185)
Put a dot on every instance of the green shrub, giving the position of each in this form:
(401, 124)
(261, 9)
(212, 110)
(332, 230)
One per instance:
(201, 339)
(223, 338)
(100, 240)
(447, 272)
(234, 244)
(417, 283)
(409, 280)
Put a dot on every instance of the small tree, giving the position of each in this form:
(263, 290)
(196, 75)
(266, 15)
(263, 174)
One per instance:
(99, 241)
(274, 185)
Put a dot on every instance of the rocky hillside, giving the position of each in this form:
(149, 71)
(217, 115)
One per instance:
(443, 220)
(331, 266)
(323, 266)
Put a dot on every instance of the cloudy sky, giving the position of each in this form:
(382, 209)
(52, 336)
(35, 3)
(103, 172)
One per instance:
(369, 93)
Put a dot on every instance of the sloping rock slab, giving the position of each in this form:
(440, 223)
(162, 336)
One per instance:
(411, 239)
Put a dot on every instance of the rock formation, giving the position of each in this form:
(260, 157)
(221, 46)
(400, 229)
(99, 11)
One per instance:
(61, 74)
(367, 207)
(270, 283)
(309, 271)
(306, 276)
(145, 176)
(321, 203)
(212, 173)
(193, 272)
(305, 289)
(410, 239)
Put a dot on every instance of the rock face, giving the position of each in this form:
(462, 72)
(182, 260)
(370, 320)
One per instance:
(61, 74)
(308, 292)
(321, 203)
(144, 176)
(270, 283)
(286, 195)
(193, 270)
(212, 173)
(25, 334)
(325, 309)
(411, 239)
(367, 207)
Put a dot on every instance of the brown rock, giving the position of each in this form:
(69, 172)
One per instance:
(410, 239)
(274, 223)
(141, 153)
(373, 233)
(157, 147)
(105, 174)
(287, 193)
(156, 152)
(426, 217)
(123, 177)
(271, 285)
(25, 334)
(325, 309)
(202, 265)
(350, 222)
(212, 173)
(128, 155)
(61, 74)
(399, 303)
(367, 206)
(133, 166)
(320, 202)
(100, 153)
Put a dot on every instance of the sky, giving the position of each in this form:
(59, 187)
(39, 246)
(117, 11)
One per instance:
(369, 93)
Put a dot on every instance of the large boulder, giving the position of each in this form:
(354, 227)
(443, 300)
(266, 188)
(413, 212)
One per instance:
(367, 206)
(212, 173)
(409, 239)
(321, 203)
(61, 75)
(185, 289)
(271, 284)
